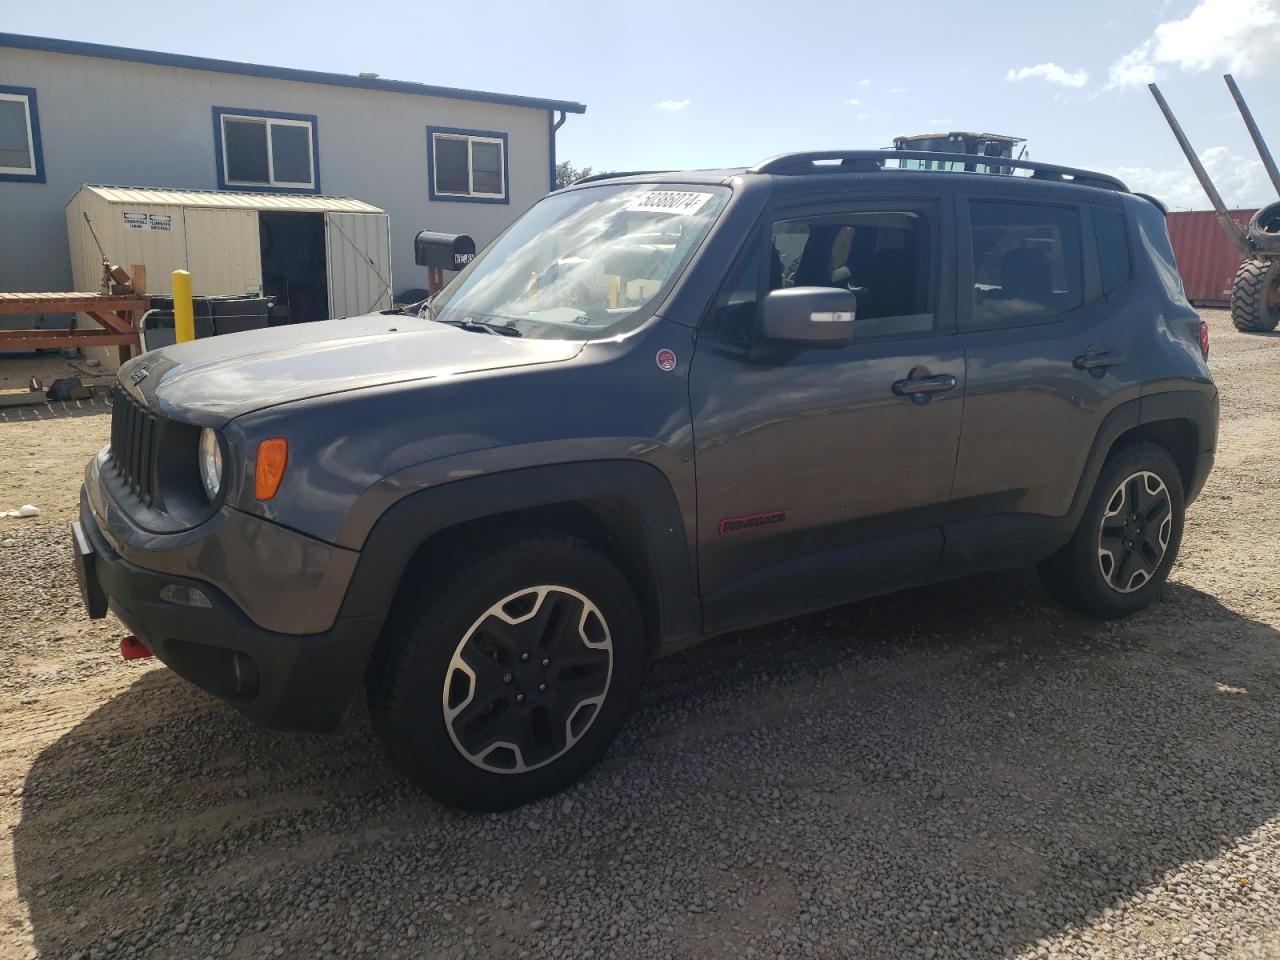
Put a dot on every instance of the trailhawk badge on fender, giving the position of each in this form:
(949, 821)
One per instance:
(666, 360)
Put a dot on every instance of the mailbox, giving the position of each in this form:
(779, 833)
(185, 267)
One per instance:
(443, 251)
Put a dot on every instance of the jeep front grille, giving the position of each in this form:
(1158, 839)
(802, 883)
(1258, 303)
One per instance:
(134, 433)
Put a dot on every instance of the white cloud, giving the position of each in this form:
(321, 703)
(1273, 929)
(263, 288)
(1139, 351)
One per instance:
(672, 106)
(854, 102)
(1241, 181)
(864, 83)
(897, 90)
(1052, 73)
(1235, 35)
(937, 120)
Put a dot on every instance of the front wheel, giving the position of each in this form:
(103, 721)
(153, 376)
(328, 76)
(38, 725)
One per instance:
(1127, 539)
(508, 679)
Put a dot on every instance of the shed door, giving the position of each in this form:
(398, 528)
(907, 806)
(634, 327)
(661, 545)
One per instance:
(359, 254)
(224, 253)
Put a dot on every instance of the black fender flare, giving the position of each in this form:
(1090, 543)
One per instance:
(1198, 406)
(410, 521)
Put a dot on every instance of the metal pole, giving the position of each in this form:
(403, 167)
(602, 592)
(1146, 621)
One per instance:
(184, 321)
(1267, 160)
(1229, 226)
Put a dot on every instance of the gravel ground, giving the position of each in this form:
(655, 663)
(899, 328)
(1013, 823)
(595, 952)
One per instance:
(962, 771)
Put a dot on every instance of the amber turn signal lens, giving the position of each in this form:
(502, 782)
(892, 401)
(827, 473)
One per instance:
(273, 454)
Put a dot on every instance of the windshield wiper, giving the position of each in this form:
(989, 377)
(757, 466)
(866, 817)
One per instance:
(481, 326)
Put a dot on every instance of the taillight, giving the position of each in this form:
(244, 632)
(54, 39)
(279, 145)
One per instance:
(1204, 339)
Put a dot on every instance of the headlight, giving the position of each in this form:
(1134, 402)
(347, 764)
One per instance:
(210, 463)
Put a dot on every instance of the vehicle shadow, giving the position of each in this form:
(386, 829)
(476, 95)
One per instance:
(998, 769)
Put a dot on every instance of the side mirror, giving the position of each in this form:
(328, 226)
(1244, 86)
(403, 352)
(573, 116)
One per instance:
(818, 316)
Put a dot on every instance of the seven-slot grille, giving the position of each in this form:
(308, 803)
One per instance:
(134, 432)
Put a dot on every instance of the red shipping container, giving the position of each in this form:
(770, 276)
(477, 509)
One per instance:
(1207, 260)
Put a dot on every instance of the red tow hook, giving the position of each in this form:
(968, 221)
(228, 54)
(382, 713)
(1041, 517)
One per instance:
(131, 648)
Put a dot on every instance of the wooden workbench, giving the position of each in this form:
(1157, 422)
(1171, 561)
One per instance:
(117, 316)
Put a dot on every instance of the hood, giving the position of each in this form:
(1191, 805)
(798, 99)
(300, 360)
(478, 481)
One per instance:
(213, 380)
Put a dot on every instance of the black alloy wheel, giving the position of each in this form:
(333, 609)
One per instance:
(527, 680)
(1134, 533)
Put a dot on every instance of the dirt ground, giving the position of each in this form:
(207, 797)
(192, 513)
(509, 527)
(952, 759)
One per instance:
(965, 770)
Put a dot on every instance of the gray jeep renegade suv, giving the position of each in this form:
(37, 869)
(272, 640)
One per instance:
(658, 407)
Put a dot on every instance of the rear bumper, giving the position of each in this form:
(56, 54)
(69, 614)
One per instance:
(278, 680)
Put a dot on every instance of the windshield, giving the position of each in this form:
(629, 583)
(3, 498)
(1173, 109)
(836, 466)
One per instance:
(584, 264)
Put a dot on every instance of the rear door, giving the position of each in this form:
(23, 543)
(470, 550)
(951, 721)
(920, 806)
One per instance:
(1045, 364)
(823, 473)
(358, 251)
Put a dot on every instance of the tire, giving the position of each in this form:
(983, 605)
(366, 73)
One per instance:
(1264, 228)
(1114, 566)
(484, 695)
(1255, 296)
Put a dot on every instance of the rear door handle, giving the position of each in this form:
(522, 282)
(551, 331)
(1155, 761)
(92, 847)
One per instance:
(918, 385)
(1098, 361)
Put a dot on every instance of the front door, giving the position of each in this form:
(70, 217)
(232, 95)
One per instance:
(823, 473)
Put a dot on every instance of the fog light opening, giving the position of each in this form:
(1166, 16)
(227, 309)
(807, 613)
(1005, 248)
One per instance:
(184, 596)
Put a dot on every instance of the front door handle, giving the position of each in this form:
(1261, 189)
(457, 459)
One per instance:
(1098, 361)
(915, 386)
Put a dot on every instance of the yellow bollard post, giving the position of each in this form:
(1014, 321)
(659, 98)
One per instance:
(184, 321)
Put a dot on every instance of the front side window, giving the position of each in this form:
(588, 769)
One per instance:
(276, 151)
(20, 155)
(584, 264)
(884, 256)
(467, 165)
(1026, 263)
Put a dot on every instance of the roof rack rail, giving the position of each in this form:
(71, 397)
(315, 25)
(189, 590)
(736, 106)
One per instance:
(615, 175)
(866, 161)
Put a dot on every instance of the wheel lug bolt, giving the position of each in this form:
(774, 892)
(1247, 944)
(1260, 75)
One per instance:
(519, 698)
(524, 657)
(506, 678)
(542, 687)
(546, 661)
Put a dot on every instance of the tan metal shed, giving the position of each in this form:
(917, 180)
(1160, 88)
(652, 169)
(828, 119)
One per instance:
(320, 257)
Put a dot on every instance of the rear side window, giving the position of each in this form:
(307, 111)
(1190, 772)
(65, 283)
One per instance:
(1113, 248)
(1026, 263)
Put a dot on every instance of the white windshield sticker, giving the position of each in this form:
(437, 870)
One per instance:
(669, 201)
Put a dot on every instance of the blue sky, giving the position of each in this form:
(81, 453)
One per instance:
(698, 84)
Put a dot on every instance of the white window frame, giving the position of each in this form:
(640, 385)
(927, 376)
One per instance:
(269, 122)
(33, 169)
(471, 169)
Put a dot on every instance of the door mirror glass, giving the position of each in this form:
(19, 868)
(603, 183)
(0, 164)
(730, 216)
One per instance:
(809, 315)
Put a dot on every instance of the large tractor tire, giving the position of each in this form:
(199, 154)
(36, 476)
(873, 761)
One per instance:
(1264, 229)
(1255, 296)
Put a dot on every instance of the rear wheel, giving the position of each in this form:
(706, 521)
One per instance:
(507, 680)
(1127, 539)
(1255, 296)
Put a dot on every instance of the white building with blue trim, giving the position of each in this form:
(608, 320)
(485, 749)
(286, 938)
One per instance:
(434, 158)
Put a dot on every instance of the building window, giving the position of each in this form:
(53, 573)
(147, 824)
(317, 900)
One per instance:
(20, 154)
(467, 165)
(266, 151)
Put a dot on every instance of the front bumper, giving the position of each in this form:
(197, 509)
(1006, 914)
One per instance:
(279, 680)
